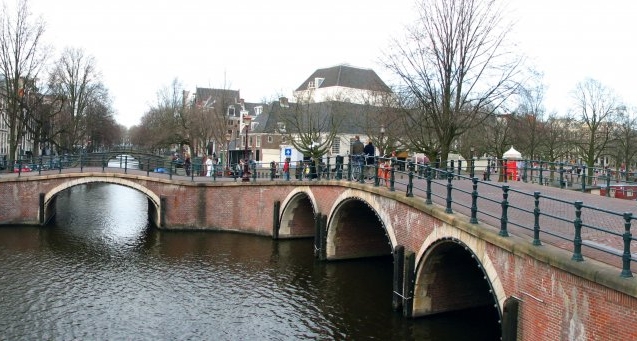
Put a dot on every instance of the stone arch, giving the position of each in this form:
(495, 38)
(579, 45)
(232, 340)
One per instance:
(447, 238)
(365, 245)
(152, 196)
(296, 219)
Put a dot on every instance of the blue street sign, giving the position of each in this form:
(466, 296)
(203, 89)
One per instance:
(288, 151)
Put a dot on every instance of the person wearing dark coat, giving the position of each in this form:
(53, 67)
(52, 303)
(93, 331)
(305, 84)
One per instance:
(369, 153)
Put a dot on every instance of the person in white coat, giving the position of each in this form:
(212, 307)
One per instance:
(209, 167)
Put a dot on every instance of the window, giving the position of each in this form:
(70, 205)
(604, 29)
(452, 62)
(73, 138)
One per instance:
(258, 141)
(231, 111)
(281, 126)
(270, 139)
(336, 146)
(258, 110)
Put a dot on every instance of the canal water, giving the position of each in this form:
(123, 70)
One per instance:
(102, 273)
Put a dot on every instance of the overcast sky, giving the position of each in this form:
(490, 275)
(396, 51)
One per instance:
(268, 48)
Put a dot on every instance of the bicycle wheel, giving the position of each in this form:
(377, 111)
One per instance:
(368, 175)
(356, 173)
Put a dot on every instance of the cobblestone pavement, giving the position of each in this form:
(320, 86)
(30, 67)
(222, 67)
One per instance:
(603, 224)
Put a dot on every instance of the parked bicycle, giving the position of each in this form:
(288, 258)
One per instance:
(359, 168)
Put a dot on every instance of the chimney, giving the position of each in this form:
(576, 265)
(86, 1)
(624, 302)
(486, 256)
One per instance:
(283, 102)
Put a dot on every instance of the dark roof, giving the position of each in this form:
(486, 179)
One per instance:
(206, 96)
(348, 77)
(351, 113)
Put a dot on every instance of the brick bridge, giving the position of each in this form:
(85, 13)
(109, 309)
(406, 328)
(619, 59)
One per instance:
(442, 262)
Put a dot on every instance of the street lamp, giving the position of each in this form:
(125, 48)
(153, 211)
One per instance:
(382, 139)
(228, 137)
(246, 164)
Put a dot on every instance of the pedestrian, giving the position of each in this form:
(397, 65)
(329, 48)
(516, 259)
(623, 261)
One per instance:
(357, 146)
(286, 169)
(187, 164)
(209, 166)
(369, 152)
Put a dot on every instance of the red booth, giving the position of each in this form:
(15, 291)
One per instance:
(511, 158)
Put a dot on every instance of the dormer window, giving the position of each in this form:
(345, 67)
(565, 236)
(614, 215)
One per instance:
(318, 81)
(231, 110)
(281, 127)
(258, 110)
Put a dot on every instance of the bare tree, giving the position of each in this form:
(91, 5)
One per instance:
(624, 145)
(529, 116)
(596, 106)
(311, 127)
(22, 57)
(455, 68)
(167, 122)
(210, 115)
(76, 79)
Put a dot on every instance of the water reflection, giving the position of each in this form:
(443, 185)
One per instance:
(102, 273)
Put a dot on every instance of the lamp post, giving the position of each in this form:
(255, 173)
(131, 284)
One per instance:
(382, 140)
(246, 164)
(228, 137)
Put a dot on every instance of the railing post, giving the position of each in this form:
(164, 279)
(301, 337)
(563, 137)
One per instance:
(536, 216)
(428, 174)
(253, 167)
(577, 241)
(561, 175)
(505, 171)
(349, 168)
(472, 169)
(214, 171)
(329, 169)
(392, 175)
(449, 189)
(410, 185)
(626, 257)
(526, 167)
(505, 205)
(474, 202)
(376, 164)
(541, 171)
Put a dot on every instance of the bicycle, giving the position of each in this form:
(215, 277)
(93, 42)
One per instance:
(359, 167)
